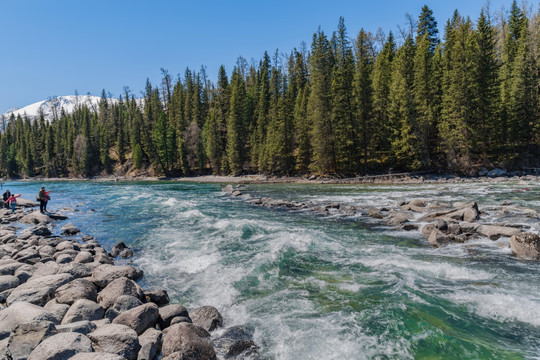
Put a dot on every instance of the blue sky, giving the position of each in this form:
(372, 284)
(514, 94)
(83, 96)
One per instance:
(56, 47)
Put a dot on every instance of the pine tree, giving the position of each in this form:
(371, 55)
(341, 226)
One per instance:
(320, 105)
(344, 122)
(235, 124)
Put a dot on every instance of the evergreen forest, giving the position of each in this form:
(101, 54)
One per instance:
(456, 99)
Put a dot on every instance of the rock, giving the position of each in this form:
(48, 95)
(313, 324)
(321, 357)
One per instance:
(188, 340)
(118, 287)
(61, 347)
(122, 303)
(236, 193)
(65, 245)
(24, 273)
(150, 342)
(26, 203)
(496, 173)
(495, 231)
(41, 230)
(438, 238)
(526, 245)
(47, 268)
(82, 327)
(139, 318)
(75, 290)
(35, 218)
(104, 274)
(83, 309)
(207, 317)
(227, 189)
(159, 297)
(34, 293)
(97, 356)
(375, 213)
(10, 267)
(8, 282)
(64, 258)
(397, 219)
(116, 339)
(235, 341)
(84, 257)
(179, 319)
(126, 253)
(77, 270)
(117, 248)
(20, 313)
(167, 313)
(27, 336)
(58, 310)
(56, 216)
(69, 230)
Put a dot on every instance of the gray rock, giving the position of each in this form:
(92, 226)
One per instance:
(438, 238)
(34, 293)
(58, 310)
(139, 318)
(188, 340)
(179, 319)
(27, 336)
(122, 303)
(235, 341)
(83, 309)
(116, 339)
(61, 347)
(8, 282)
(167, 313)
(495, 231)
(126, 253)
(207, 317)
(159, 297)
(150, 342)
(121, 286)
(44, 269)
(97, 356)
(70, 230)
(41, 230)
(46, 251)
(104, 274)
(64, 258)
(35, 218)
(375, 213)
(84, 257)
(65, 245)
(20, 313)
(526, 245)
(24, 273)
(9, 268)
(75, 290)
(82, 327)
(77, 270)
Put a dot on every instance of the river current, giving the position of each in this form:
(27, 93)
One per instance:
(322, 287)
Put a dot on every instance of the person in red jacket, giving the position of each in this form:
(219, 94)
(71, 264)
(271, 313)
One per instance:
(13, 201)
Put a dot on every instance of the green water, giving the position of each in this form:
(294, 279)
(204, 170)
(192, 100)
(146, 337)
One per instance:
(317, 287)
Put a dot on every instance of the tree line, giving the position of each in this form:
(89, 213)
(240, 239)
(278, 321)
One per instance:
(344, 107)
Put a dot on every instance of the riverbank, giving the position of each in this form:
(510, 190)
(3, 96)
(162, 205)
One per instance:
(62, 296)
(397, 178)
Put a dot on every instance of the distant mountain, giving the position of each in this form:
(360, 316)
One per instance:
(52, 106)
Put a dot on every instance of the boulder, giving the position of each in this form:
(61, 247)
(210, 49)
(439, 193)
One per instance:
(61, 347)
(77, 270)
(167, 313)
(496, 173)
(375, 213)
(159, 297)
(139, 318)
(8, 282)
(9, 268)
(495, 231)
(83, 309)
(207, 317)
(57, 216)
(26, 203)
(438, 238)
(235, 341)
(20, 313)
(69, 230)
(24, 273)
(44, 269)
(41, 230)
(122, 303)
(75, 290)
(84, 257)
(35, 218)
(150, 342)
(121, 286)
(27, 336)
(116, 339)
(34, 293)
(64, 258)
(117, 248)
(227, 188)
(126, 253)
(65, 245)
(58, 310)
(97, 356)
(81, 327)
(188, 340)
(526, 245)
(104, 274)
(179, 319)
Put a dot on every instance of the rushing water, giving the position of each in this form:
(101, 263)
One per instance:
(317, 287)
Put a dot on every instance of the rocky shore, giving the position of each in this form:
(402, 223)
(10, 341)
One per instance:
(63, 297)
(438, 222)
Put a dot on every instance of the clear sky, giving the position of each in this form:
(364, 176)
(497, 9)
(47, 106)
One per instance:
(55, 47)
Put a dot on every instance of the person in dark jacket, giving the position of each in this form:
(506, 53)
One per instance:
(6, 196)
(42, 198)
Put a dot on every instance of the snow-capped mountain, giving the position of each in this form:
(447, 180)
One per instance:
(54, 105)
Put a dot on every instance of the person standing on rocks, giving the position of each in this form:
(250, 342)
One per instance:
(13, 201)
(47, 198)
(6, 196)
(42, 198)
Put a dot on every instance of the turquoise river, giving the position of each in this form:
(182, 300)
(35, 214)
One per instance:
(316, 287)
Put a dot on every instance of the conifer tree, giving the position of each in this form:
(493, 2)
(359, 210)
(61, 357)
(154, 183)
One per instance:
(235, 124)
